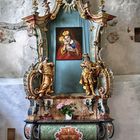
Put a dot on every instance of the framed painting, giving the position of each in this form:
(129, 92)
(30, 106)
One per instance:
(69, 43)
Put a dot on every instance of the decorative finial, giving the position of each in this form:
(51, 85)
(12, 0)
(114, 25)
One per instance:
(69, 5)
(47, 7)
(102, 4)
(35, 6)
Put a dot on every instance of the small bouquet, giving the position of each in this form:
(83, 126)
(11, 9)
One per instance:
(66, 107)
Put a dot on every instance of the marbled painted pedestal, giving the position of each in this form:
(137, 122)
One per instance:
(67, 130)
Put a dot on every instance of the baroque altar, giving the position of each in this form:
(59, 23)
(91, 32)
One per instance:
(69, 86)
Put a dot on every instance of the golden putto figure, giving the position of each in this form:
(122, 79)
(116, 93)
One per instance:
(47, 70)
(90, 72)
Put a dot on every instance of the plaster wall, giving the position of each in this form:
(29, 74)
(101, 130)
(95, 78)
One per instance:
(124, 106)
(18, 51)
(123, 55)
(13, 107)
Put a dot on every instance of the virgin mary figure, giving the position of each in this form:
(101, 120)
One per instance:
(69, 49)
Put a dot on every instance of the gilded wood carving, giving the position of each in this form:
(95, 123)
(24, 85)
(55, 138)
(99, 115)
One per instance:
(96, 77)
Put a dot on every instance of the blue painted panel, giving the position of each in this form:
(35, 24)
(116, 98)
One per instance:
(67, 73)
(68, 76)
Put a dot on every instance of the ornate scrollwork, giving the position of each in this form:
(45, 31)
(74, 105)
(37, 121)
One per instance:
(106, 130)
(102, 131)
(106, 76)
(110, 129)
(27, 131)
(35, 5)
(35, 132)
(47, 7)
(69, 132)
(31, 78)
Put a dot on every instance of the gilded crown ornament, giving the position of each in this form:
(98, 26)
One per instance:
(69, 5)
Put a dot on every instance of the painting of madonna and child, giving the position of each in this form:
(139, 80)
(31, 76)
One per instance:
(69, 43)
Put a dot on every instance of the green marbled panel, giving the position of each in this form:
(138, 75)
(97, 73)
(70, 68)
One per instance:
(48, 131)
